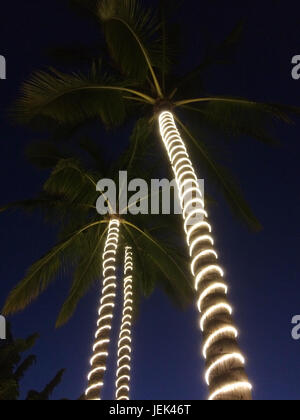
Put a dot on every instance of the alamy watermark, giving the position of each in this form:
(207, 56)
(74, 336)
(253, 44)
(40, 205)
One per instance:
(296, 329)
(157, 196)
(296, 68)
(2, 328)
(2, 67)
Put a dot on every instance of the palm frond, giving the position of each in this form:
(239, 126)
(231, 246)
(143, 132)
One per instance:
(24, 366)
(87, 272)
(45, 270)
(240, 117)
(222, 52)
(46, 393)
(172, 272)
(224, 181)
(45, 154)
(131, 35)
(72, 98)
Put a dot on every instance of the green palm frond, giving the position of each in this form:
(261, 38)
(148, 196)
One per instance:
(140, 143)
(224, 181)
(220, 53)
(72, 98)
(70, 180)
(131, 34)
(87, 272)
(240, 117)
(24, 366)
(46, 393)
(45, 154)
(47, 203)
(62, 257)
(172, 270)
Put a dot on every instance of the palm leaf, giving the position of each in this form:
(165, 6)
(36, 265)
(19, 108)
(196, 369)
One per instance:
(224, 181)
(240, 117)
(176, 279)
(87, 272)
(48, 390)
(72, 98)
(130, 31)
(45, 270)
(216, 54)
(23, 367)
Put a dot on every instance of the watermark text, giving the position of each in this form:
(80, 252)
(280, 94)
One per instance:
(2, 67)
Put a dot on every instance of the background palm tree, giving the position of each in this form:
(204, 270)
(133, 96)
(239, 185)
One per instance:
(68, 199)
(140, 42)
(13, 369)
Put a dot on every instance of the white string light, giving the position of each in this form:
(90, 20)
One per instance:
(198, 234)
(212, 288)
(221, 361)
(105, 312)
(212, 310)
(220, 332)
(235, 386)
(202, 254)
(124, 343)
(206, 270)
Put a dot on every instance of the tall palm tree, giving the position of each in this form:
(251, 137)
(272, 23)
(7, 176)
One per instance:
(144, 79)
(69, 196)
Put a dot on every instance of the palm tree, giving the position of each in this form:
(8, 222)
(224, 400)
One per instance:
(13, 369)
(145, 79)
(68, 197)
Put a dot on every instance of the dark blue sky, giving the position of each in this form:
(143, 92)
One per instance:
(262, 270)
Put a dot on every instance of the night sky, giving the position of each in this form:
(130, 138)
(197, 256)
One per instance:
(262, 269)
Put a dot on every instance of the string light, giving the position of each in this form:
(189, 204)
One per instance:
(95, 371)
(212, 288)
(212, 310)
(208, 281)
(202, 254)
(203, 238)
(221, 361)
(220, 332)
(124, 343)
(105, 312)
(235, 386)
(205, 271)
(195, 227)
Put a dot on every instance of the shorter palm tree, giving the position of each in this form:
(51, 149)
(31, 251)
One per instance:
(88, 245)
(13, 369)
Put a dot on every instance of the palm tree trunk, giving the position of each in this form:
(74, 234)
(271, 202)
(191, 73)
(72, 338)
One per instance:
(225, 374)
(124, 344)
(106, 310)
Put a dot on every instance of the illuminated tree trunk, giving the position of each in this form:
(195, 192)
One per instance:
(124, 344)
(106, 310)
(225, 374)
